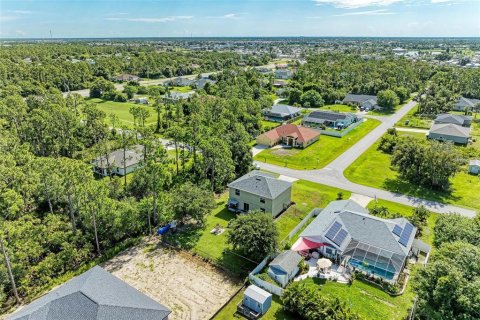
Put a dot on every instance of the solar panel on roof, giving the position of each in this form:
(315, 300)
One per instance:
(333, 230)
(340, 237)
(405, 236)
(397, 230)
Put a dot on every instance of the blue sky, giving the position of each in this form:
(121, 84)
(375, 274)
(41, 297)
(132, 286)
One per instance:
(175, 18)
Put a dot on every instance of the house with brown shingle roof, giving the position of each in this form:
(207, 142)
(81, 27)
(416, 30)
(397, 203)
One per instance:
(289, 134)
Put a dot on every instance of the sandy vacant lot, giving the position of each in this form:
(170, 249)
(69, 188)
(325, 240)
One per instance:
(191, 288)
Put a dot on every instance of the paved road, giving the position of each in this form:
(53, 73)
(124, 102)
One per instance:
(332, 174)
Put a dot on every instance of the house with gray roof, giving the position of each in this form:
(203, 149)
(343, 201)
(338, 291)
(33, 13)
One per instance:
(466, 104)
(118, 162)
(176, 96)
(200, 83)
(182, 82)
(345, 231)
(337, 120)
(363, 101)
(458, 119)
(283, 74)
(284, 267)
(281, 112)
(93, 295)
(259, 190)
(255, 302)
(449, 132)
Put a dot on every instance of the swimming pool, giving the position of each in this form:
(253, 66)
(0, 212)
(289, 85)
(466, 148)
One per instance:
(370, 269)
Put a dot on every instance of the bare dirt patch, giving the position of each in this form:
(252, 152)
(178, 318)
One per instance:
(191, 288)
(285, 152)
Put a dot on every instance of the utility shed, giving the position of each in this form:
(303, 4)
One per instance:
(255, 303)
(474, 166)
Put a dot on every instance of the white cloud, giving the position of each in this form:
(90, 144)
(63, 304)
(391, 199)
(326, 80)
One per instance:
(366, 13)
(151, 20)
(227, 16)
(8, 18)
(352, 4)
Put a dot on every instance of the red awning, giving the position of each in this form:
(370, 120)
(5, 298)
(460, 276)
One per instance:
(304, 244)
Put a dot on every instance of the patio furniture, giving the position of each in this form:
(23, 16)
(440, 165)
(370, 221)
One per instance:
(324, 265)
(315, 255)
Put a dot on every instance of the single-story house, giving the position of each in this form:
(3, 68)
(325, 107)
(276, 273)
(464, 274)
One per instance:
(284, 267)
(126, 77)
(259, 190)
(115, 164)
(458, 119)
(283, 74)
(289, 134)
(264, 70)
(363, 101)
(345, 231)
(279, 83)
(93, 295)
(255, 302)
(281, 112)
(474, 166)
(176, 96)
(449, 132)
(142, 100)
(316, 119)
(182, 82)
(200, 83)
(466, 103)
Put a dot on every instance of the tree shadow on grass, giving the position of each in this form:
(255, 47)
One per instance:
(225, 215)
(402, 187)
(186, 237)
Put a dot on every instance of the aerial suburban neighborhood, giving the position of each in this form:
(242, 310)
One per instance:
(157, 163)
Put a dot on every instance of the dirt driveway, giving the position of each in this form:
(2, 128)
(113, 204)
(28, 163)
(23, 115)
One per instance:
(191, 288)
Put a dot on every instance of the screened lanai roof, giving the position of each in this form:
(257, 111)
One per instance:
(348, 227)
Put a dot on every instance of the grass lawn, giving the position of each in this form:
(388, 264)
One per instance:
(181, 89)
(373, 169)
(121, 109)
(414, 121)
(268, 125)
(339, 108)
(307, 196)
(320, 153)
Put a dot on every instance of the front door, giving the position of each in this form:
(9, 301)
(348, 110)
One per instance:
(246, 207)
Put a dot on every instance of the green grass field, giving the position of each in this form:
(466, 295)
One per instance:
(181, 89)
(320, 153)
(268, 125)
(339, 108)
(121, 109)
(414, 121)
(373, 169)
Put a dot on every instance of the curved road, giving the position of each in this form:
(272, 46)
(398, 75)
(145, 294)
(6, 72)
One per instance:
(332, 174)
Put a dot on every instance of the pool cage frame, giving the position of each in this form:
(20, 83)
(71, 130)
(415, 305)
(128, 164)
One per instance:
(382, 261)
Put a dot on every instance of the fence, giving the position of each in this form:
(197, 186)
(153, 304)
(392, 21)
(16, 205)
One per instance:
(312, 213)
(340, 134)
(270, 287)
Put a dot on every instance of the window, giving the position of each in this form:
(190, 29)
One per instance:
(237, 192)
(246, 207)
(262, 200)
(328, 251)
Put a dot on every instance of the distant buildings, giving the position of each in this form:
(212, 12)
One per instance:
(337, 120)
(283, 74)
(449, 132)
(176, 96)
(126, 77)
(466, 104)
(118, 162)
(290, 135)
(363, 101)
(281, 112)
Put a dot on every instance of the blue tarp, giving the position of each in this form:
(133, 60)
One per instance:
(163, 230)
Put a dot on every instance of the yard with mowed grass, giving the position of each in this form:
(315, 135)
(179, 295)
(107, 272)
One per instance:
(318, 154)
(181, 89)
(414, 121)
(307, 195)
(122, 110)
(373, 169)
(338, 108)
(268, 125)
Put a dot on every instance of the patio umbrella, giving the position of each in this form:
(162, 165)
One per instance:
(324, 263)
